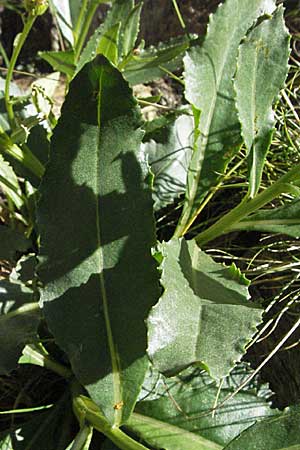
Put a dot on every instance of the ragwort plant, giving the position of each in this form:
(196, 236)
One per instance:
(148, 334)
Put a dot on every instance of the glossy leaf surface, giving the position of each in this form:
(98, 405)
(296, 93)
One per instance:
(204, 315)
(209, 70)
(261, 72)
(96, 224)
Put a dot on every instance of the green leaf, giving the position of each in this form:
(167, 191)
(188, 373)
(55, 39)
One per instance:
(5, 441)
(90, 50)
(24, 271)
(119, 11)
(9, 184)
(186, 401)
(97, 267)
(12, 241)
(209, 70)
(108, 45)
(275, 433)
(284, 220)
(130, 30)
(203, 316)
(60, 61)
(147, 64)
(169, 437)
(169, 153)
(17, 328)
(261, 72)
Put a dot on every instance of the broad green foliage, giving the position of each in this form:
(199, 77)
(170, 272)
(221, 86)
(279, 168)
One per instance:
(95, 219)
(209, 70)
(12, 241)
(144, 333)
(169, 437)
(204, 315)
(261, 72)
(278, 433)
(185, 403)
(168, 151)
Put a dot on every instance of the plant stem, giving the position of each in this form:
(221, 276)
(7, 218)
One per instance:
(178, 13)
(83, 438)
(21, 38)
(84, 30)
(23, 155)
(247, 207)
(42, 359)
(80, 19)
(86, 411)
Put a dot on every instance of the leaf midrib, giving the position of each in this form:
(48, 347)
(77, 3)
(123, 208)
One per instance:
(173, 430)
(112, 348)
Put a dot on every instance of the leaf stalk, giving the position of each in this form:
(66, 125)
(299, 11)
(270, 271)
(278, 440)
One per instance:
(246, 207)
(86, 411)
(21, 38)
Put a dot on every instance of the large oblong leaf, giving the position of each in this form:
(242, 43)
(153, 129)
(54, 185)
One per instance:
(97, 229)
(185, 402)
(209, 70)
(261, 72)
(203, 316)
(275, 433)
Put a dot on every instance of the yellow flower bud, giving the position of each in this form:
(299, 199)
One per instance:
(36, 7)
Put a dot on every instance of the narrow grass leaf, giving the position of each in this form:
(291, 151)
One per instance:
(209, 70)
(284, 220)
(261, 72)
(97, 229)
(204, 315)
